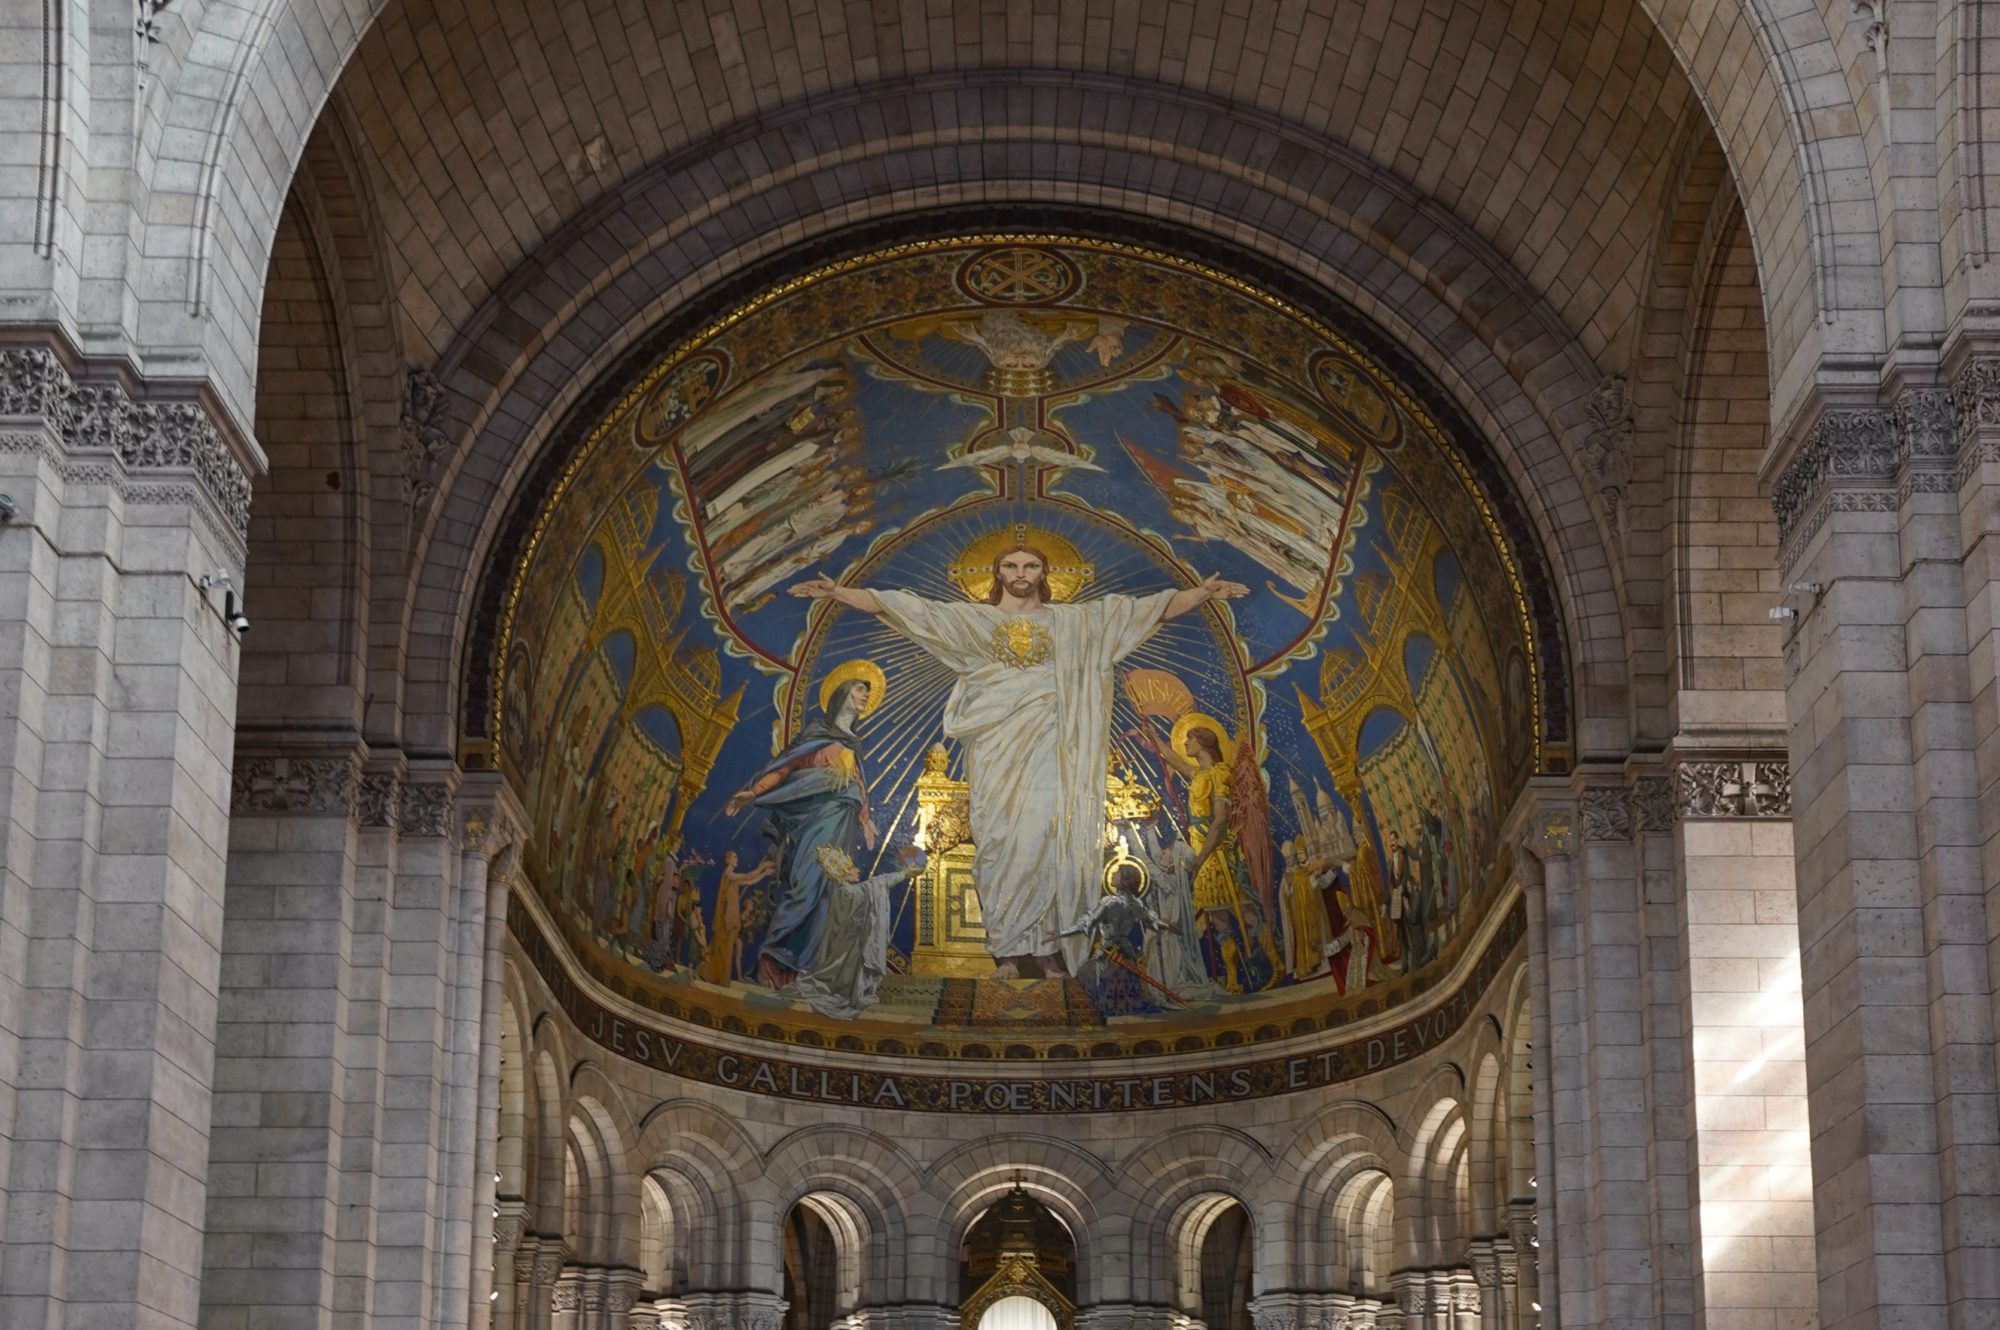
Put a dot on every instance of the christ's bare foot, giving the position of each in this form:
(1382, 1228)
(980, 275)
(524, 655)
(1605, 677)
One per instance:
(1006, 970)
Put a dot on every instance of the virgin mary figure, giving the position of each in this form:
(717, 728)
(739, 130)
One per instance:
(815, 801)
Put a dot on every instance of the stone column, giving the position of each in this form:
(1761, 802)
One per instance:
(1522, 1213)
(1524, 1249)
(1664, 1031)
(622, 1287)
(1468, 1305)
(1409, 1301)
(117, 701)
(1484, 1258)
(490, 830)
(1564, 1197)
(511, 1241)
(1611, 1126)
(413, 1178)
(539, 1312)
(285, 1037)
(1747, 1131)
(1898, 1073)
(566, 1303)
(1962, 885)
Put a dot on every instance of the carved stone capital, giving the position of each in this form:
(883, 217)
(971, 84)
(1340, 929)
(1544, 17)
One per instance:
(488, 824)
(622, 1286)
(1653, 803)
(1733, 788)
(1607, 815)
(294, 785)
(1926, 425)
(424, 807)
(156, 450)
(1522, 1223)
(510, 1227)
(549, 1263)
(378, 798)
(1296, 1311)
(734, 1311)
(1975, 398)
(33, 382)
(1550, 834)
(1844, 464)
(525, 1255)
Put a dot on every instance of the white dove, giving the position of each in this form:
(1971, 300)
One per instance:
(1021, 448)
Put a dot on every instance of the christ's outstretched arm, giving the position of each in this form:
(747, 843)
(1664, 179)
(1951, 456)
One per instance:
(1195, 597)
(822, 587)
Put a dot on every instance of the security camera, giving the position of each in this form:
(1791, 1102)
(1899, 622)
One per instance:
(233, 615)
(8, 509)
(1783, 612)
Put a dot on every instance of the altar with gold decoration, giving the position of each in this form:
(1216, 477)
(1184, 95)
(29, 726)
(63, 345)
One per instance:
(950, 938)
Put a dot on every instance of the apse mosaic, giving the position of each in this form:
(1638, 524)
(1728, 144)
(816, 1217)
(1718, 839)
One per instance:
(1021, 643)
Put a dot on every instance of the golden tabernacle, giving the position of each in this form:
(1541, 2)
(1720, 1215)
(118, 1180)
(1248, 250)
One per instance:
(950, 935)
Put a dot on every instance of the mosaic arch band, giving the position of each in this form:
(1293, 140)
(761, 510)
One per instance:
(1021, 643)
(1031, 705)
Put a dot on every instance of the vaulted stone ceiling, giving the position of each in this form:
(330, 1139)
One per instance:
(1545, 129)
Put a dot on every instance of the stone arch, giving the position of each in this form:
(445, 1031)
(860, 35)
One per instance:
(340, 186)
(1296, 1211)
(586, 1188)
(546, 1056)
(708, 1168)
(663, 1256)
(968, 1180)
(1517, 1095)
(856, 1244)
(206, 239)
(1168, 1187)
(1521, 397)
(603, 1132)
(1487, 1141)
(1187, 1229)
(514, 1155)
(882, 1190)
(1364, 1221)
(1431, 1199)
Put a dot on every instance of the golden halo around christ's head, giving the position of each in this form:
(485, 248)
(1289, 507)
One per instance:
(846, 673)
(1068, 570)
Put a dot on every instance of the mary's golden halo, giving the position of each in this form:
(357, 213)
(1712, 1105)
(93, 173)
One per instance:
(847, 672)
(1069, 571)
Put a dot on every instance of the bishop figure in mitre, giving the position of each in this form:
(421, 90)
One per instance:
(1031, 707)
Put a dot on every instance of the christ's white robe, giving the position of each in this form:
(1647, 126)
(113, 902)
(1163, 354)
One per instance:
(1036, 739)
